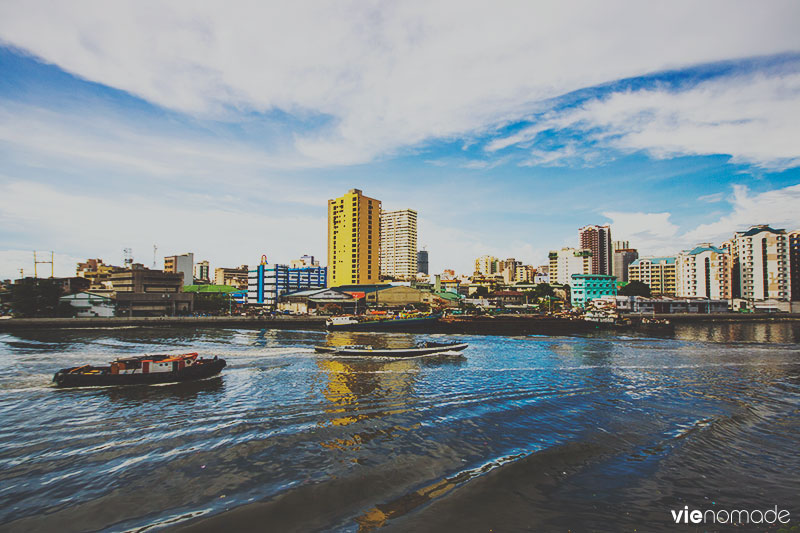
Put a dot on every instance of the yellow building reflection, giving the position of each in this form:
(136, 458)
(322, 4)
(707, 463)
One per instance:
(361, 388)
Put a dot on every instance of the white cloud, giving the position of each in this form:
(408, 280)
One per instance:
(755, 119)
(386, 75)
(650, 233)
(778, 208)
(656, 234)
(79, 225)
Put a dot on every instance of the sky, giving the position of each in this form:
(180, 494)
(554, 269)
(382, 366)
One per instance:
(222, 129)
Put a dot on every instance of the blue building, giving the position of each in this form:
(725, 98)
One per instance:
(267, 283)
(587, 287)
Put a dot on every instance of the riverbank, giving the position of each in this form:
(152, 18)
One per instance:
(480, 325)
(276, 322)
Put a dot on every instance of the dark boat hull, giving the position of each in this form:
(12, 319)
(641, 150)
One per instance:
(64, 378)
(409, 352)
(398, 324)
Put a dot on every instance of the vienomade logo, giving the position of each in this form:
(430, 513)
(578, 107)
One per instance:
(736, 516)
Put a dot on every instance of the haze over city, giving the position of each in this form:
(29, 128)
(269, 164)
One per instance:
(506, 128)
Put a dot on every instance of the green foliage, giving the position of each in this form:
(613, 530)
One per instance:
(212, 303)
(35, 297)
(543, 289)
(635, 288)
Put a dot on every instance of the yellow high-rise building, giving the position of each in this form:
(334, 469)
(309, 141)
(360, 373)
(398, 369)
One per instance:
(353, 239)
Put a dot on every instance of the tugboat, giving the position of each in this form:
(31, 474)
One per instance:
(425, 348)
(141, 370)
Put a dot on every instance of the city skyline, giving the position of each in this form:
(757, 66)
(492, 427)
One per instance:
(185, 130)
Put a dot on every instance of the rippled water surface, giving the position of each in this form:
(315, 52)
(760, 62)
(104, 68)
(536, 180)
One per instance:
(540, 433)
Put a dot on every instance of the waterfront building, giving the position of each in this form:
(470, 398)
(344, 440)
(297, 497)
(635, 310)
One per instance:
(598, 240)
(623, 257)
(143, 280)
(398, 244)
(487, 265)
(588, 287)
(794, 264)
(88, 304)
(664, 304)
(235, 277)
(202, 272)
(703, 272)
(658, 273)
(353, 239)
(267, 283)
(760, 258)
(568, 261)
(181, 264)
(541, 277)
(422, 262)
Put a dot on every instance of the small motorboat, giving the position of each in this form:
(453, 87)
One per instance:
(425, 348)
(140, 370)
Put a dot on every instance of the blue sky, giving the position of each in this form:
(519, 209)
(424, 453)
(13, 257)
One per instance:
(224, 131)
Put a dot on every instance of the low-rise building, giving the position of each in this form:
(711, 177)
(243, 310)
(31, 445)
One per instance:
(658, 273)
(267, 283)
(642, 305)
(87, 304)
(144, 280)
(588, 287)
(319, 301)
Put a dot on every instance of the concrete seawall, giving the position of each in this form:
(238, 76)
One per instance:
(278, 322)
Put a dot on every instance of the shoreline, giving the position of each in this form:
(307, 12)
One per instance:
(497, 325)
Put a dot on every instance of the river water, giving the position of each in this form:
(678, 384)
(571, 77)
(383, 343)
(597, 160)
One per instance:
(532, 433)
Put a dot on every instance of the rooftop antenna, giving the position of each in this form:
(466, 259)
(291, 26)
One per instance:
(36, 262)
(155, 251)
(128, 257)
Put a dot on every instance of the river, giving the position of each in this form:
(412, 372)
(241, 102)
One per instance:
(534, 433)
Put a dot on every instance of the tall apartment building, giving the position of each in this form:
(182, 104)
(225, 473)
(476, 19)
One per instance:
(202, 272)
(623, 257)
(619, 245)
(658, 273)
(181, 264)
(598, 240)
(353, 239)
(703, 272)
(487, 265)
(568, 261)
(760, 258)
(422, 262)
(398, 244)
(794, 263)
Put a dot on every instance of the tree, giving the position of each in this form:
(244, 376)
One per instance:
(635, 288)
(213, 303)
(33, 297)
(481, 292)
(543, 289)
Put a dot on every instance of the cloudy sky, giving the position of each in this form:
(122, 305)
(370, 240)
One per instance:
(223, 128)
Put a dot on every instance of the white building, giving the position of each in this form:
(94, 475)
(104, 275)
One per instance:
(760, 258)
(398, 244)
(703, 272)
(568, 261)
(202, 271)
(182, 264)
(88, 304)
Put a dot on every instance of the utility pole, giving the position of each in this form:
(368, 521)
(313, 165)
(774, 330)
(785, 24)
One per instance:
(36, 262)
(155, 250)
